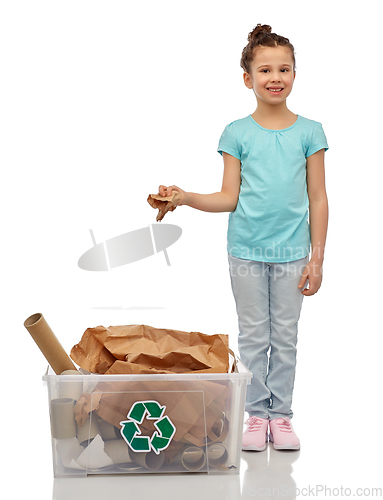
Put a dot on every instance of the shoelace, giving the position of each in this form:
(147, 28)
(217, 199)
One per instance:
(254, 424)
(284, 424)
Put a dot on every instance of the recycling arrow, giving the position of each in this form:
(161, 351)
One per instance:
(131, 431)
(167, 430)
(138, 410)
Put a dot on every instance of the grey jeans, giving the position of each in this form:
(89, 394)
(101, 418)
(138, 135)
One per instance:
(268, 303)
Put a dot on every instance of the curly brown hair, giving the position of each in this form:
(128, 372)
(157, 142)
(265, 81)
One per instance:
(261, 36)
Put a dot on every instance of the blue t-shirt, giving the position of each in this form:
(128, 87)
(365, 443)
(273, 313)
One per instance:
(270, 222)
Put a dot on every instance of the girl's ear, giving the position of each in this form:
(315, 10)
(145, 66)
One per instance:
(247, 80)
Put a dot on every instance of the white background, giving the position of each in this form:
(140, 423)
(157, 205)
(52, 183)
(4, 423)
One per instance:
(102, 101)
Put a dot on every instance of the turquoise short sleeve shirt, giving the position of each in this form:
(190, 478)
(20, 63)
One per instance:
(270, 222)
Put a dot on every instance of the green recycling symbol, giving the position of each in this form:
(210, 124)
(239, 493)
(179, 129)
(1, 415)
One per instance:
(161, 437)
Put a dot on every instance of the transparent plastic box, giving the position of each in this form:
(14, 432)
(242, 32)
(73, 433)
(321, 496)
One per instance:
(124, 424)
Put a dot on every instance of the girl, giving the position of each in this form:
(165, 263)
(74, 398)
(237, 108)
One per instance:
(273, 181)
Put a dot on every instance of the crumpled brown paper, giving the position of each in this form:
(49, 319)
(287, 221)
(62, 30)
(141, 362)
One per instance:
(164, 203)
(199, 406)
(144, 349)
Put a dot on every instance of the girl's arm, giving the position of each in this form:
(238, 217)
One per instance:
(318, 213)
(222, 201)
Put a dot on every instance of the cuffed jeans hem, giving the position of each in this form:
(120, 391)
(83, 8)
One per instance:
(259, 415)
(270, 417)
(280, 415)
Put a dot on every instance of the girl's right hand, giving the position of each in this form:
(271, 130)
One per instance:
(167, 191)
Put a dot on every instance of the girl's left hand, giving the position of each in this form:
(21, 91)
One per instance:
(167, 191)
(313, 273)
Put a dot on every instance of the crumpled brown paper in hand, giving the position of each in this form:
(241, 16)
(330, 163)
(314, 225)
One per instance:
(144, 349)
(164, 203)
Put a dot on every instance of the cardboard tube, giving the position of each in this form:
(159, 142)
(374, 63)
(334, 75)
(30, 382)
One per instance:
(217, 454)
(48, 343)
(68, 450)
(150, 460)
(193, 458)
(118, 451)
(63, 425)
(88, 431)
(107, 430)
(71, 389)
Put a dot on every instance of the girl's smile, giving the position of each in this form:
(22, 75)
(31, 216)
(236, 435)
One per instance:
(275, 90)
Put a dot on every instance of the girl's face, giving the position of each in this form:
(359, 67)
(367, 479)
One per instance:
(272, 74)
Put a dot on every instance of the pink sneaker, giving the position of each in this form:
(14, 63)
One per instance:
(255, 436)
(282, 435)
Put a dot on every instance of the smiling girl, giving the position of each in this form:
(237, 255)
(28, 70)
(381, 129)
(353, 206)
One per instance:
(273, 182)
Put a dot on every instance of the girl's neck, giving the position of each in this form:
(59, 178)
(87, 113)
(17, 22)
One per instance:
(273, 116)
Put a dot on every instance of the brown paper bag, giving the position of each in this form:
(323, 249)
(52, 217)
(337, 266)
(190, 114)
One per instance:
(164, 203)
(144, 349)
(198, 406)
